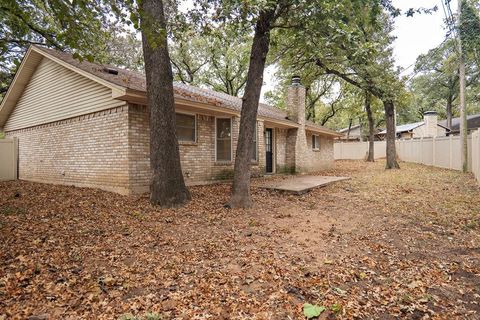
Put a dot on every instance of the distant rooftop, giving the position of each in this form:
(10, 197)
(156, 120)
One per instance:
(405, 127)
(473, 122)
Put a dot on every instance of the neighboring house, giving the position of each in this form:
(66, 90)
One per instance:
(355, 134)
(427, 128)
(473, 123)
(85, 124)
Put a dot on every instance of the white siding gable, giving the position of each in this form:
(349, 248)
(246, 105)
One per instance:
(56, 93)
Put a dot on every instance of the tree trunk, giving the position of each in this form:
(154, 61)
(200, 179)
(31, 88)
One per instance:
(461, 96)
(349, 128)
(241, 197)
(449, 112)
(167, 187)
(391, 135)
(371, 128)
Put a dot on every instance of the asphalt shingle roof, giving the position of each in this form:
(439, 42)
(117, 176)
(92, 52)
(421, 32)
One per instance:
(472, 120)
(135, 80)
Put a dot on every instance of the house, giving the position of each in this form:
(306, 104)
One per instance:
(355, 134)
(85, 124)
(473, 123)
(427, 128)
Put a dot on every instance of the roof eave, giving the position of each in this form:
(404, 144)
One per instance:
(135, 96)
(323, 131)
(5, 108)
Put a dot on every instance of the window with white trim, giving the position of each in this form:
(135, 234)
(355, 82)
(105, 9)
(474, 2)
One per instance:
(315, 142)
(223, 137)
(254, 144)
(186, 126)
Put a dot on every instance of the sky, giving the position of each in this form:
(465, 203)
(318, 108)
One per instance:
(414, 36)
(420, 33)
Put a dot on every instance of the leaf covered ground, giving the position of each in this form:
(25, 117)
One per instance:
(383, 245)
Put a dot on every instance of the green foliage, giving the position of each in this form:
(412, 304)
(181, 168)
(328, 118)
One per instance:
(52, 23)
(470, 29)
(311, 311)
(217, 60)
(93, 30)
(152, 316)
(336, 308)
(2, 135)
(436, 84)
(349, 40)
(352, 41)
(12, 211)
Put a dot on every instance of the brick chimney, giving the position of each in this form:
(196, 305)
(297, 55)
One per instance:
(431, 120)
(296, 101)
(296, 138)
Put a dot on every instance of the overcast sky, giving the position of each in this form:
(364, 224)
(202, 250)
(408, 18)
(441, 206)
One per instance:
(415, 35)
(420, 33)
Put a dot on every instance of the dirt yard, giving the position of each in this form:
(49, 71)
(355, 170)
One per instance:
(384, 245)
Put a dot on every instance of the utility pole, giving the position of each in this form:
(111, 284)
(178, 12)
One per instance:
(463, 111)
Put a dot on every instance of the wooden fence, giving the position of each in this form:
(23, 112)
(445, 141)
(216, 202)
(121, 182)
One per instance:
(8, 159)
(441, 152)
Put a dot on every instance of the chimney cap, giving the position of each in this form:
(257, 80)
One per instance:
(296, 80)
(430, 113)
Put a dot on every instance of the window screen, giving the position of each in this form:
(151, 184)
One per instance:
(254, 144)
(315, 142)
(224, 139)
(186, 127)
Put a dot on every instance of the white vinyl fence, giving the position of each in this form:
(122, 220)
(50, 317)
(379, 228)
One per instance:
(358, 150)
(441, 152)
(8, 159)
(476, 154)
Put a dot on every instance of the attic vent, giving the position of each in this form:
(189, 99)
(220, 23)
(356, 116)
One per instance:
(110, 71)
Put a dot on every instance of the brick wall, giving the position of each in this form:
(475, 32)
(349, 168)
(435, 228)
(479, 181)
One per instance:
(89, 150)
(300, 157)
(197, 159)
(320, 159)
(110, 150)
(281, 163)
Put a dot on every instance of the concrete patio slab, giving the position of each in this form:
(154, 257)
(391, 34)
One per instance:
(300, 184)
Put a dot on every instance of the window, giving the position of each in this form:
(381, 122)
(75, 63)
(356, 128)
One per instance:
(224, 139)
(254, 144)
(315, 142)
(186, 127)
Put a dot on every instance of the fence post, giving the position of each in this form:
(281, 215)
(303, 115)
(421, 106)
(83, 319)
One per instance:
(433, 150)
(476, 154)
(422, 145)
(450, 153)
(15, 157)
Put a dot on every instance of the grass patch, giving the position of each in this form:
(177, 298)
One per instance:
(146, 316)
(12, 211)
